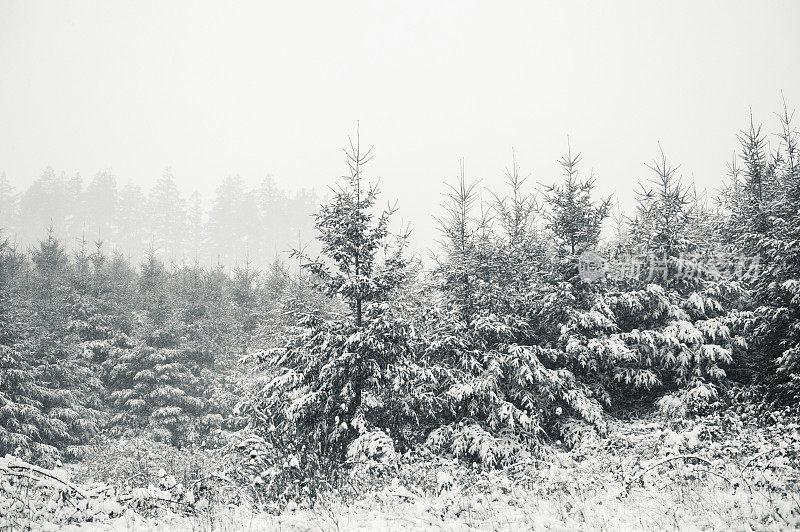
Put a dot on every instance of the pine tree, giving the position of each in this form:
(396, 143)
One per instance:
(47, 392)
(162, 382)
(677, 314)
(101, 203)
(42, 206)
(76, 215)
(167, 217)
(8, 205)
(20, 412)
(244, 292)
(764, 223)
(233, 221)
(133, 236)
(273, 211)
(518, 214)
(335, 373)
(457, 270)
(196, 229)
(573, 219)
(494, 386)
(570, 313)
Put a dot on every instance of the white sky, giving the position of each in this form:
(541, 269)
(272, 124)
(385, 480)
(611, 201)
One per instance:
(212, 89)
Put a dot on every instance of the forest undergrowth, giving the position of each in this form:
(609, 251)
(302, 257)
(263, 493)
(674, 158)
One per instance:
(732, 470)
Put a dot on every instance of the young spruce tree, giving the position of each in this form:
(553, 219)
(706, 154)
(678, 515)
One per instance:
(333, 377)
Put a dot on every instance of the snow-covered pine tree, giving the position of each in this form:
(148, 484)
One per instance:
(675, 304)
(457, 270)
(764, 222)
(46, 385)
(244, 292)
(571, 314)
(502, 387)
(781, 273)
(573, 217)
(520, 240)
(162, 382)
(96, 304)
(333, 378)
(22, 422)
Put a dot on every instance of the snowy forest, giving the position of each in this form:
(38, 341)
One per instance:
(242, 224)
(553, 366)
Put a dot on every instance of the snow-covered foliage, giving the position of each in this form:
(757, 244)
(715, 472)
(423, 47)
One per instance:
(723, 471)
(47, 392)
(763, 219)
(163, 382)
(335, 377)
(674, 318)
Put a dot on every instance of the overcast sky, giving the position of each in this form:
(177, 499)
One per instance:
(214, 89)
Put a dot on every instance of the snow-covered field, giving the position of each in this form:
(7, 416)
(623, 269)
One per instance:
(721, 472)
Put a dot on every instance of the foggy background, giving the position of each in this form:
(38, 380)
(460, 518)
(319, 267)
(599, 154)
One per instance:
(207, 91)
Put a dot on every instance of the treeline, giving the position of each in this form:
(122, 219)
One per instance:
(241, 224)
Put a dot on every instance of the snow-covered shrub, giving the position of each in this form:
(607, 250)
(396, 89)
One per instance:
(688, 401)
(470, 441)
(374, 445)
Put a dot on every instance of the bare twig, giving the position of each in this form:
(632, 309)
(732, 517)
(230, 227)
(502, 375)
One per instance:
(666, 461)
(9, 468)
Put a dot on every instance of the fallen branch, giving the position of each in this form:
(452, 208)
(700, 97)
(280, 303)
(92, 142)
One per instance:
(525, 462)
(131, 498)
(8, 466)
(759, 455)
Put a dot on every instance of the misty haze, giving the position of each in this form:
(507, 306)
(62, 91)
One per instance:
(399, 266)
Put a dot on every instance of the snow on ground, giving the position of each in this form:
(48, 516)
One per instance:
(723, 472)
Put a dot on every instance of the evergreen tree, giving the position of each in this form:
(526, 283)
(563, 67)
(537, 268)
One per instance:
(335, 374)
(677, 314)
(570, 314)
(233, 223)
(457, 270)
(8, 205)
(167, 217)
(20, 410)
(48, 396)
(764, 223)
(245, 298)
(573, 219)
(101, 203)
(162, 381)
(274, 212)
(196, 227)
(76, 216)
(133, 235)
(42, 206)
(497, 387)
